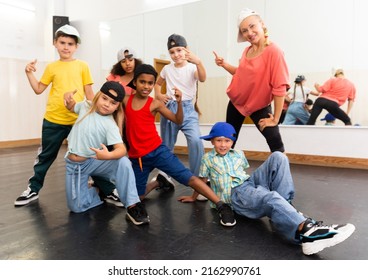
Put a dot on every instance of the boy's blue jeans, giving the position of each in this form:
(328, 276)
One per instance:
(81, 197)
(296, 111)
(163, 159)
(190, 127)
(268, 192)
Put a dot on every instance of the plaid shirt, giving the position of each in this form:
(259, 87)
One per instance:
(224, 172)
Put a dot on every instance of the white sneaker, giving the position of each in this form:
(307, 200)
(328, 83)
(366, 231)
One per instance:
(315, 236)
(201, 198)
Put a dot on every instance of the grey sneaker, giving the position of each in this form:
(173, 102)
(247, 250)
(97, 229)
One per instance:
(26, 197)
(114, 198)
(138, 214)
(315, 236)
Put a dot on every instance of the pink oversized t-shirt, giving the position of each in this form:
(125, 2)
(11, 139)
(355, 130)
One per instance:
(258, 79)
(338, 90)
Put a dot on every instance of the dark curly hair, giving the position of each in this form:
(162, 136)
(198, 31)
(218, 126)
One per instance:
(118, 70)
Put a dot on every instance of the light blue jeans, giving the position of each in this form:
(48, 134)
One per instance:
(80, 197)
(190, 128)
(268, 192)
(296, 111)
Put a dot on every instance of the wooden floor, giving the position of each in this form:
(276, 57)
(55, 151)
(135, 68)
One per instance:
(46, 230)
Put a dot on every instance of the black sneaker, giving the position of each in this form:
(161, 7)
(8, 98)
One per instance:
(315, 236)
(113, 198)
(26, 197)
(138, 214)
(165, 183)
(226, 215)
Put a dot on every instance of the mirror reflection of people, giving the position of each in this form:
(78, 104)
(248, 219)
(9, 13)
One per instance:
(334, 93)
(261, 78)
(300, 104)
(329, 119)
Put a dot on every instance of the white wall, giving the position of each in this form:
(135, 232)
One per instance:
(314, 39)
(26, 34)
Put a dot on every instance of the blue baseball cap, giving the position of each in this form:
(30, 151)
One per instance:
(329, 118)
(221, 129)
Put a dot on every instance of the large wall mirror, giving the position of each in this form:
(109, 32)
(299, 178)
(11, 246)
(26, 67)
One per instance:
(316, 36)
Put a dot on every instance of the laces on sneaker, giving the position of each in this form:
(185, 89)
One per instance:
(310, 223)
(316, 236)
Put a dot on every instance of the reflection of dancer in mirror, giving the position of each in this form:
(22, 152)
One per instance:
(261, 77)
(334, 93)
(329, 119)
(298, 111)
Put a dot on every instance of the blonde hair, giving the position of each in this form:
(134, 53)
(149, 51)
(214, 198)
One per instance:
(265, 30)
(267, 40)
(339, 72)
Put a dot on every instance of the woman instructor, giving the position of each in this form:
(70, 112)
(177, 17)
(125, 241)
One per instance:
(261, 78)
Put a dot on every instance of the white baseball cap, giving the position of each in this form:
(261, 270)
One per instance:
(69, 30)
(242, 16)
(126, 52)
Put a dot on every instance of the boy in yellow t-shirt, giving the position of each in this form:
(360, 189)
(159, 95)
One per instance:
(66, 75)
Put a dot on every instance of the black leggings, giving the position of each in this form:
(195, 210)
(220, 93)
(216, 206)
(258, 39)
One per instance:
(272, 134)
(332, 107)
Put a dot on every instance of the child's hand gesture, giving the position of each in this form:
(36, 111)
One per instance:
(177, 94)
(163, 97)
(31, 67)
(68, 99)
(101, 154)
(191, 57)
